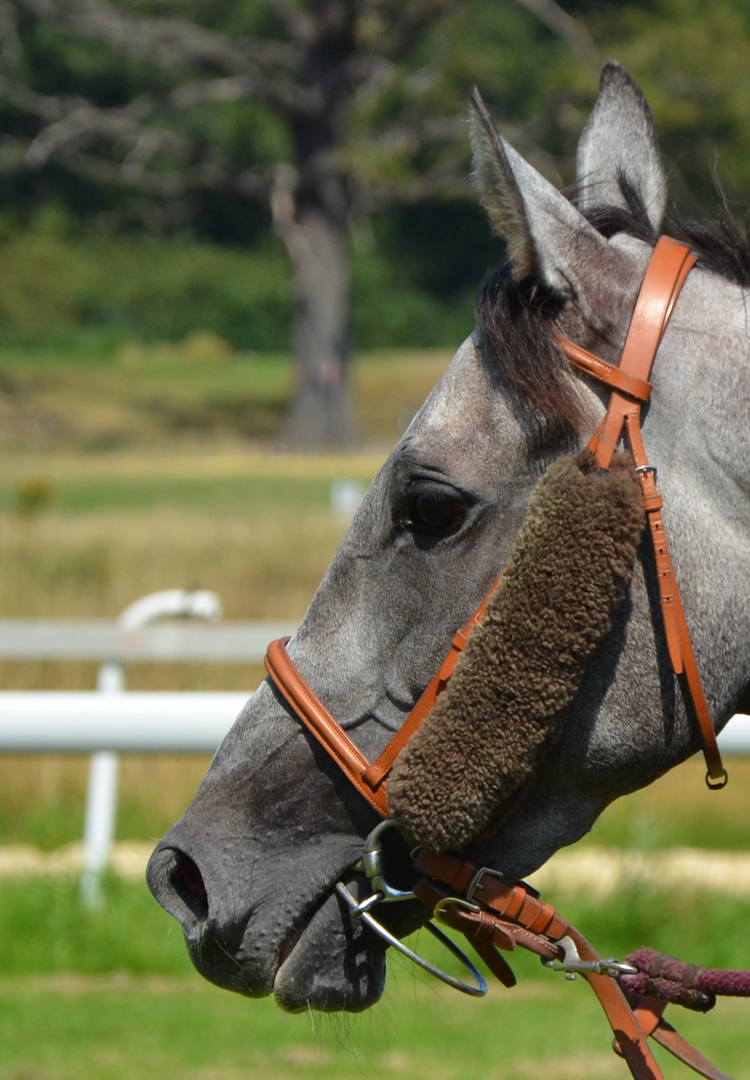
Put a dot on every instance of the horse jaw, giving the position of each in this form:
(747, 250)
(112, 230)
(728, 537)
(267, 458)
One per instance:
(250, 868)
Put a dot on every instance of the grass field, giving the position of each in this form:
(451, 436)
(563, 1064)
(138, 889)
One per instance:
(152, 1028)
(138, 473)
(110, 995)
(196, 396)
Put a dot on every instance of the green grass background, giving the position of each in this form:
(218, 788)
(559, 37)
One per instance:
(110, 994)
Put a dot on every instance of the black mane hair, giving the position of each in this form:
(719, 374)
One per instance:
(723, 247)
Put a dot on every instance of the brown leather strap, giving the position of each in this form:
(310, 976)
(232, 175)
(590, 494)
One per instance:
(667, 272)
(640, 389)
(677, 1045)
(319, 721)
(376, 773)
(648, 1012)
(494, 914)
(517, 918)
(512, 902)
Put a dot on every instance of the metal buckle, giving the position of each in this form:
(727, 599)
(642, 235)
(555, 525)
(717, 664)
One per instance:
(572, 964)
(647, 469)
(453, 901)
(474, 884)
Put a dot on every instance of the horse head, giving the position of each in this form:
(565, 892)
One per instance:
(251, 869)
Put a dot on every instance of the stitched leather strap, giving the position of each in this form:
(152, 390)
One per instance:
(678, 1046)
(667, 272)
(494, 914)
(640, 389)
(508, 916)
(320, 722)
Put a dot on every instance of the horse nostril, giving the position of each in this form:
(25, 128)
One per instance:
(188, 884)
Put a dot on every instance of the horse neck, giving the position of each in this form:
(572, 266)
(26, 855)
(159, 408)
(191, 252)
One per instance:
(697, 418)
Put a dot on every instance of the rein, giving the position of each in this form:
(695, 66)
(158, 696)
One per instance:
(491, 913)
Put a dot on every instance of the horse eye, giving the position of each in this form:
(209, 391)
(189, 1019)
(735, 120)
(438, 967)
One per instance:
(435, 510)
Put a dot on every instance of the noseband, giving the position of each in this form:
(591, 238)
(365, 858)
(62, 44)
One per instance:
(667, 272)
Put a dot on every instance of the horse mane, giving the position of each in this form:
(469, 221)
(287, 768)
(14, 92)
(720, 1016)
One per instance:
(722, 247)
(513, 317)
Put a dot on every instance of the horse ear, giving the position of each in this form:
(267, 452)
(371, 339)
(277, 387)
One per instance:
(618, 149)
(548, 238)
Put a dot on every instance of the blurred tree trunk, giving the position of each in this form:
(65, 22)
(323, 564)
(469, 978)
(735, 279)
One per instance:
(311, 208)
(321, 413)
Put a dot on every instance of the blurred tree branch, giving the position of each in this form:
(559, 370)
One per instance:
(312, 65)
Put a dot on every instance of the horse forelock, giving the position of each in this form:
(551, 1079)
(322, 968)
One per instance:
(514, 324)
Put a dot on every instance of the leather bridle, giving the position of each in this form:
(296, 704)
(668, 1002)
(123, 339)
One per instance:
(670, 265)
(490, 912)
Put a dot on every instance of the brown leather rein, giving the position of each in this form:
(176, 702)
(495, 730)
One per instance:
(666, 274)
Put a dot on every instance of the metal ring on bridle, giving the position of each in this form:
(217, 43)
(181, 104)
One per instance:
(371, 865)
(357, 911)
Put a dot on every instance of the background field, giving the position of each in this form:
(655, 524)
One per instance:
(103, 498)
(110, 996)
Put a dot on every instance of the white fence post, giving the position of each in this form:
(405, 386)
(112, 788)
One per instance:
(101, 797)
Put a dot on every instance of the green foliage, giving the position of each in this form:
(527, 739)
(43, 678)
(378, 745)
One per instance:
(402, 144)
(71, 292)
(693, 62)
(147, 289)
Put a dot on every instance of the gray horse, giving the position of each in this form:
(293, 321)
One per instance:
(249, 870)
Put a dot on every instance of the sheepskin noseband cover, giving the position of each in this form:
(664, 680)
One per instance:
(525, 661)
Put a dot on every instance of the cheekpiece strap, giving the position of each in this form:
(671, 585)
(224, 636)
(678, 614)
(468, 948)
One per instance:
(670, 265)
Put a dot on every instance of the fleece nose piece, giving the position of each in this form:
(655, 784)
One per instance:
(570, 566)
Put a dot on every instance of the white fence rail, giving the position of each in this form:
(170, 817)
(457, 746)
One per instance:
(73, 722)
(109, 721)
(50, 639)
(51, 722)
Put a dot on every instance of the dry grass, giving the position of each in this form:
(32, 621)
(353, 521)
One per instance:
(185, 502)
(162, 397)
(94, 565)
